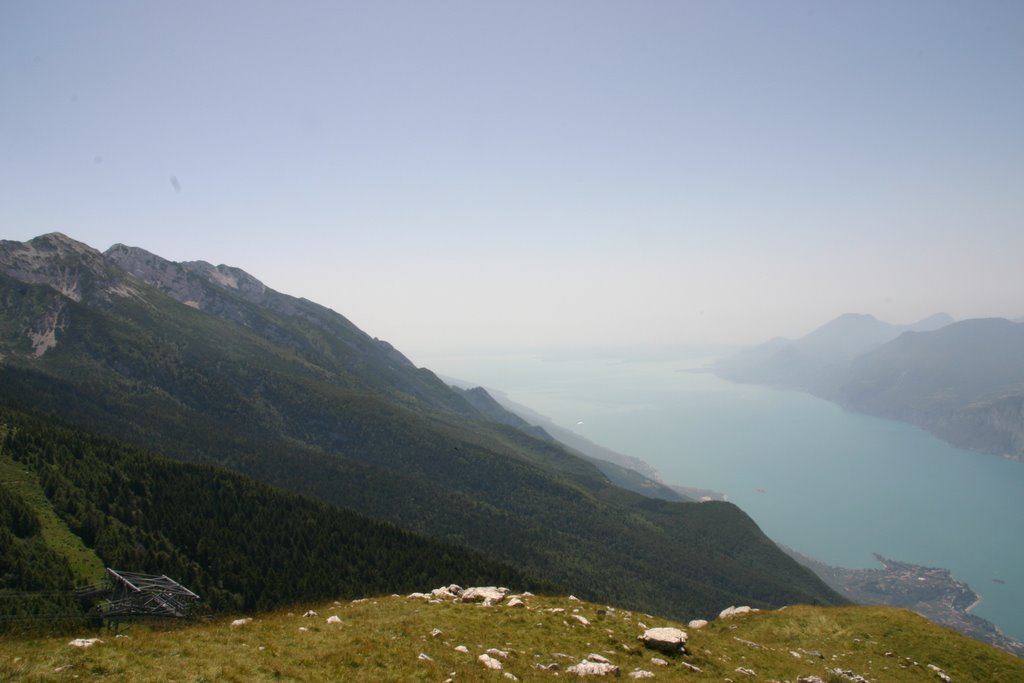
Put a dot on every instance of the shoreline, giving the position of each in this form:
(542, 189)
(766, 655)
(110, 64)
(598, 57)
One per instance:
(981, 599)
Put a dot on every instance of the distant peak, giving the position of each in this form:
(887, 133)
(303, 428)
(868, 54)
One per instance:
(932, 322)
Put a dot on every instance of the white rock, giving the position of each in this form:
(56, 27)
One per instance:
(495, 652)
(641, 624)
(527, 594)
(489, 661)
(665, 639)
(734, 612)
(691, 667)
(586, 668)
(747, 672)
(418, 596)
(310, 613)
(555, 610)
(573, 597)
(334, 619)
(594, 657)
(84, 642)
(511, 676)
(484, 593)
(516, 602)
(697, 623)
(424, 657)
(461, 648)
(658, 661)
(240, 622)
(582, 619)
(436, 632)
(303, 628)
(640, 673)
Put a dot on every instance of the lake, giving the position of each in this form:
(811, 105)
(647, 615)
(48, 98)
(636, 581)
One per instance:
(832, 484)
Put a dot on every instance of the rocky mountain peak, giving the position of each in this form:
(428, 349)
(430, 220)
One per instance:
(74, 269)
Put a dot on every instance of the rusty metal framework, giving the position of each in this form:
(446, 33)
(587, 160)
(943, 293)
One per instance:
(145, 595)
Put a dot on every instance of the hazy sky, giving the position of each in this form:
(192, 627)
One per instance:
(472, 174)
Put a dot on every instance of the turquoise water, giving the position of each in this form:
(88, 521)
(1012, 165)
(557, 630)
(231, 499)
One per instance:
(832, 484)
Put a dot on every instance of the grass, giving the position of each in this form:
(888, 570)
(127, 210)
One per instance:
(381, 639)
(21, 481)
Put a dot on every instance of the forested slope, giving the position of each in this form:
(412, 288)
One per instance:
(240, 544)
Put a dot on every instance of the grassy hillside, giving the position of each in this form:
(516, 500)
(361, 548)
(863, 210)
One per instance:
(402, 639)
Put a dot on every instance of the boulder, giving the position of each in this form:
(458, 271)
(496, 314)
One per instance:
(516, 602)
(664, 639)
(334, 619)
(735, 612)
(588, 668)
(84, 642)
(640, 673)
(461, 648)
(450, 592)
(483, 594)
(310, 613)
(582, 619)
(697, 623)
(240, 622)
(489, 661)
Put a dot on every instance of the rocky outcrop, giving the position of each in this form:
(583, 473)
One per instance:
(486, 594)
(664, 639)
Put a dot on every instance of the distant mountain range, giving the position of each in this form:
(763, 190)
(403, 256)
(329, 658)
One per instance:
(963, 381)
(206, 364)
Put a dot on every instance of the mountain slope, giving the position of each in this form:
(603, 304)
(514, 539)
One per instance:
(963, 381)
(231, 373)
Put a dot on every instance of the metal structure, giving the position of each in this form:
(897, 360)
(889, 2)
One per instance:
(145, 595)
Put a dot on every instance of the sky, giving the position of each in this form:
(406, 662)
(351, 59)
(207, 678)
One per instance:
(557, 174)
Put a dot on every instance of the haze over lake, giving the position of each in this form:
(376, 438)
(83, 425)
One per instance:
(832, 484)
